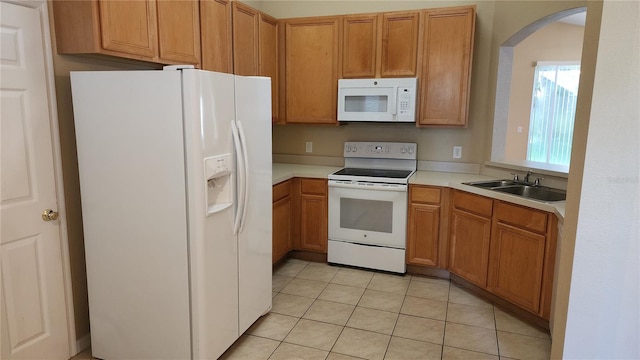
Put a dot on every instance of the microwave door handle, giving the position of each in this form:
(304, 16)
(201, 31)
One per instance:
(394, 101)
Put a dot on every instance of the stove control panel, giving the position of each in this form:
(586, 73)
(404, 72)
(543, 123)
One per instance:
(380, 150)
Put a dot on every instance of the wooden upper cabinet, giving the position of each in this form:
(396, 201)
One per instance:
(161, 31)
(399, 44)
(129, 27)
(312, 56)
(360, 46)
(178, 31)
(380, 45)
(245, 39)
(268, 58)
(448, 36)
(216, 35)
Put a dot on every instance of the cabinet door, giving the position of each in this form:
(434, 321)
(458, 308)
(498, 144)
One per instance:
(268, 58)
(313, 215)
(129, 27)
(359, 48)
(313, 223)
(281, 228)
(245, 40)
(179, 31)
(516, 263)
(399, 44)
(312, 55)
(216, 35)
(422, 234)
(469, 240)
(446, 66)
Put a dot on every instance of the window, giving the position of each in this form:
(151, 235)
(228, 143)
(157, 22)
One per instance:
(553, 109)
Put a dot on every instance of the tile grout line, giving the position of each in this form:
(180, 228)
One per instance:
(405, 294)
(299, 318)
(495, 324)
(446, 314)
(398, 317)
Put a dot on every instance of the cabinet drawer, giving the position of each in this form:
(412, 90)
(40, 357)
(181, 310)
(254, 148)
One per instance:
(281, 190)
(313, 186)
(475, 204)
(522, 217)
(427, 195)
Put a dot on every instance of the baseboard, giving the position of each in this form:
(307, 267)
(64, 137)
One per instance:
(504, 305)
(83, 343)
(428, 271)
(308, 256)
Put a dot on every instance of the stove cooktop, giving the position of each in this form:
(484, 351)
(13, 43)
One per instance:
(377, 173)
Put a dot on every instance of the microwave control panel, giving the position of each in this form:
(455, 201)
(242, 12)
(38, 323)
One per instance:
(406, 98)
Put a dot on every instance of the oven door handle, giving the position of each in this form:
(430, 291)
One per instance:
(377, 187)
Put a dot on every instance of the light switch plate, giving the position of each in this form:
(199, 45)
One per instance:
(309, 146)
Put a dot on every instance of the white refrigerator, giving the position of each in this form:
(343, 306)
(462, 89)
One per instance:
(175, 180)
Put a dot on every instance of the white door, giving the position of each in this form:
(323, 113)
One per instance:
(34, 316)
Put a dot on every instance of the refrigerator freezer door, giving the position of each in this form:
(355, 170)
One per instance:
(131, 164)
(253, 113)
(209, 112)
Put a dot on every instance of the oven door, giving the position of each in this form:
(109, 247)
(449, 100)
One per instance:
(368, 213)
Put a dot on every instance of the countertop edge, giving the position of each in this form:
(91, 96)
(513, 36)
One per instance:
(282, 172)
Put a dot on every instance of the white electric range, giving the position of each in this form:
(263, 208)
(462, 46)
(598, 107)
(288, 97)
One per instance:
(368, 205)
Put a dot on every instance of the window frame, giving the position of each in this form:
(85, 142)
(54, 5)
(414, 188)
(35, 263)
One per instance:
(551, 122)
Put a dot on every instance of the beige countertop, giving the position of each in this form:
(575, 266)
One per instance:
(456, 180)
(282, 172)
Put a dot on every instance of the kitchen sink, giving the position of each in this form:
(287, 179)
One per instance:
(491, 184)
(536, 192)
(541, 193)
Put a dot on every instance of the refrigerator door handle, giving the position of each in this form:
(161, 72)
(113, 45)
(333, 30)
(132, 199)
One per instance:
(245, 153)
(240, 185)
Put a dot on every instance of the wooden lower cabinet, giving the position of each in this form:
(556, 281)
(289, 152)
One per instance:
(470, 237)
(424, 226)
(517, 258)
(313, 215)
(469, 241)
(281, 221)
(506, 249)
(518, 255)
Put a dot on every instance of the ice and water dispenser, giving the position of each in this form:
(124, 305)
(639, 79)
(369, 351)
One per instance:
(218, 170)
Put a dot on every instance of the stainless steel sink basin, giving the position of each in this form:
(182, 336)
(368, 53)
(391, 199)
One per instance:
(491, 184)
(541, 193)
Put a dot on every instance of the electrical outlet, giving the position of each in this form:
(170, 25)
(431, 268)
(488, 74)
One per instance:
(457, 152)
(309, 146)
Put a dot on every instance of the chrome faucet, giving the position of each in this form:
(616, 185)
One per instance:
(526, 177)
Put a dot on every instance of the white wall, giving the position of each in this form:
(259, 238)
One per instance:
(603, 312)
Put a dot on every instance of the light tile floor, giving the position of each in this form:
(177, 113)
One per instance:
(339, 313)
(331, 312)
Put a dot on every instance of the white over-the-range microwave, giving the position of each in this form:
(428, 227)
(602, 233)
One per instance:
(377, 100)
